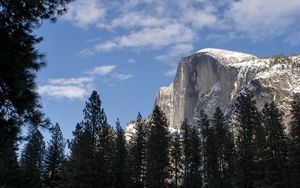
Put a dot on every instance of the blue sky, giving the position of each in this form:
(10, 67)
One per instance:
(126, 50)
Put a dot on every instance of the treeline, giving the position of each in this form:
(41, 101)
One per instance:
(251, 151)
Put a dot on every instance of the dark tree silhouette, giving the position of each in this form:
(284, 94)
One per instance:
(19, 62)
(55, 159)
(120, 158)
(294, 142)
(157, 165)
(32, 159)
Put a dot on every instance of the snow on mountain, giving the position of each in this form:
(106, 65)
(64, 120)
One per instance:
(214, 77)
(227, 55)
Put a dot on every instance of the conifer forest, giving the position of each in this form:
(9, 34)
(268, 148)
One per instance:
(253, 149)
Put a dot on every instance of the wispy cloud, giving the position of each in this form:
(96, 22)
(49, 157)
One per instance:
(71, 88)
(130, 61)
(84, 13)
(150, 37)
(175, 52)
(165, 25)
(86, 52)
(257, 19)
(102, 70)
(123, 76)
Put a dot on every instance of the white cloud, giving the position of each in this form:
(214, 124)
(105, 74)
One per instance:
(176, 26)
(86, 52)
(71, 81)
(257, 18)
(71, 88)
(106, 46)
(123, 76)
(176, 51)
(130, 61)
(102, 70)
(84, 13)
(151, 37)
(138, 19)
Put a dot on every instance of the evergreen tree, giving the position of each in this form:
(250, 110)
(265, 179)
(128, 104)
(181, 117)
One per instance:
(9, 168)
(223, 144)
(32, 159)
(213, 172)
(203, 125)
(196, 179)
(19, 62)
(176, 159)
(276, 148)
(101, 137)
(247, 122)
(137, 153)
(88, 160)
(157, 165)
(120, 157)
(55, 159)
(81, 165)
(191, 147)
(259, 156)
(294, 142)
(105, 155)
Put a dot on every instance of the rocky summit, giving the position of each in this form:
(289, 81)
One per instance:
(213, 78)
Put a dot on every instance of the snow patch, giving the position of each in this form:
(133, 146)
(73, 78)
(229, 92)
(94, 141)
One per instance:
(227, 56)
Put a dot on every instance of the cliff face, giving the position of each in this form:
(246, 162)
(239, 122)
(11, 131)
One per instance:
(213, 78)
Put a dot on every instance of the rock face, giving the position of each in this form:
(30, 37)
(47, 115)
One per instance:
(213, 78)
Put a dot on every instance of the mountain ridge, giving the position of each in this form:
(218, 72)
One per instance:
(211, 78)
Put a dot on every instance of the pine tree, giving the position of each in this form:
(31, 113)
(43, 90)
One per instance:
(92, 148)
(213, 173)
(176, 159)
(55, 159)
(276, 147)
(100, 135)
(106, 154)
(9, 168)
(259, 156)
(247, 122)
(19, 63)
(137, 154)
(203, 125)
(195, 176)
(81, 171)
(224, 151)
(294, 142)
(157, 165)
(32, 159)
(120, 157)
(191, 147)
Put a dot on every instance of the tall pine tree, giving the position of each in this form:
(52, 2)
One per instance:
(157, 165)
(224, 146)
(19, 62)
(247, 124)
(191, 147)
(294, 142)
(276, 148)
(55, 159)
(137, 154)
(120, 158)
(176, 159)
(202, 124)
(90, 161)
(105, 154)
(81, 171)
(32, 159)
